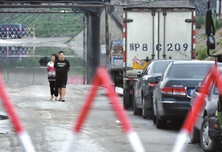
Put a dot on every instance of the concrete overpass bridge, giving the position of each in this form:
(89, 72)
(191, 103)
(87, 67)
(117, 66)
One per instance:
(92, 10)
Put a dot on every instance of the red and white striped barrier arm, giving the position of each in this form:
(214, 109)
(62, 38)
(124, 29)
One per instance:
(19, 129)
(190, 120)
(102, 78)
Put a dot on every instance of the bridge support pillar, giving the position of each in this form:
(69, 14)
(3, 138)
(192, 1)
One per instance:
(93, 44)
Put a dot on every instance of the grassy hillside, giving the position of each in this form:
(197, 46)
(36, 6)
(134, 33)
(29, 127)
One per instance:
(46, 24)
(201, 48)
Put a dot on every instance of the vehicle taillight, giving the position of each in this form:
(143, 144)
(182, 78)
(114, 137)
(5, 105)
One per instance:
(174, 91)
(152, 84)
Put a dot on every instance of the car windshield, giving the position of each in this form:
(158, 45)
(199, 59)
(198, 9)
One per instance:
(159, 67)
(188, 70)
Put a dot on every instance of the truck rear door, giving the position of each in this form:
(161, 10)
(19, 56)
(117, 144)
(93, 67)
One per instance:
(174, 36)
(138, 38)
(161, 33)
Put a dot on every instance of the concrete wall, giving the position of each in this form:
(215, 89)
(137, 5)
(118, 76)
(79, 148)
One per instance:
(115, 33)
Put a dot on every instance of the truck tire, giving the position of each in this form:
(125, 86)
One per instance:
(126, 99)
(136, 111)
(145, 111)
(208, 144)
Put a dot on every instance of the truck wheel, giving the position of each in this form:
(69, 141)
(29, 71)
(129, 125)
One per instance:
(145, 112)
(208, 144)
(136, 111)
(194, 136)
(126, 99)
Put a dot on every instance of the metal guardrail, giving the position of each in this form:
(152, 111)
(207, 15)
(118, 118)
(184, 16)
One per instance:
(16, 32)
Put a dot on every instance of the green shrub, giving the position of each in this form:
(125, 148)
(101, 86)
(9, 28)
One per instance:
(200, 20)
(47, 25)
(201, 53)
(219, 24)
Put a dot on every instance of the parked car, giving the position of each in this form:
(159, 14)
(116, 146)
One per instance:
(13, 30)
(143, 90)
(171, 97)
(207, 130)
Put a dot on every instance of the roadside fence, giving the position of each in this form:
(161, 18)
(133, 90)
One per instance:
(16, 32)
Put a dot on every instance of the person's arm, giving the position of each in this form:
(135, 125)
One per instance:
(55, 65)
(47, 67)
(68, 66)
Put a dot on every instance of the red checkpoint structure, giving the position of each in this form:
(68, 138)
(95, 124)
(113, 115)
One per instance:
(19, 129)
(102, 78)
(213, 76)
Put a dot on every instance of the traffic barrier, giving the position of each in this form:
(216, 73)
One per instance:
(212, 77)
(7, 29)
(30, 31)
(13, 116)
(102, 78)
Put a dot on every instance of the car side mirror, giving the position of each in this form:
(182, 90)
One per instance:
(139, 74)
(210, 28)
(152, 80)
(210, 22)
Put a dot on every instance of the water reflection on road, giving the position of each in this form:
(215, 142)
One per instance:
(23, 65)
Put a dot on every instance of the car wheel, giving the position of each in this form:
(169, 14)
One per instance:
(154, 118)
(194, 136)
(136, 111)
(160, 124)
(144, 110)
(126, 99)
(153, 115)
(208, 144)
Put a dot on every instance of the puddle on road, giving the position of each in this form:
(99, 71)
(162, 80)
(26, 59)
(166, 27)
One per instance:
(27, 65)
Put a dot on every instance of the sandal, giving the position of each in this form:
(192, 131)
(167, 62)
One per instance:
(51, 98)
(56, 99)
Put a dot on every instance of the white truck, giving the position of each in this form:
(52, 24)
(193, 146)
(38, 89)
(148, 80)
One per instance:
(154, 33)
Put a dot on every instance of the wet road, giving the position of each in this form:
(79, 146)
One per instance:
(50, 122)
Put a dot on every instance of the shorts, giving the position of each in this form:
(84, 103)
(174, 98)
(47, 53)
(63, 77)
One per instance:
(61, 82)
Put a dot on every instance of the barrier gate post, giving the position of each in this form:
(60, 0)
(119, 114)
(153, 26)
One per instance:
(213, 76)
(19, 129)
(102, 78)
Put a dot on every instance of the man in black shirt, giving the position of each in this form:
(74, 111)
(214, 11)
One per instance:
(62, 67)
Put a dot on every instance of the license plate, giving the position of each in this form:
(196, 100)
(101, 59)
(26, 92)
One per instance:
(191, 91)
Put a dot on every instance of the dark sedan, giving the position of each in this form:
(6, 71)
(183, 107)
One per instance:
(171, 97)
(143, 90)
(208, 130)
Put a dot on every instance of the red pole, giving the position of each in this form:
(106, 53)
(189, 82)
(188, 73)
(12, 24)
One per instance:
(87, 105)
(117, 107)
(10, 109)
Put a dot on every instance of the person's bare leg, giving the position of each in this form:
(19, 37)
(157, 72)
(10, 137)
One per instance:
(63, 92)
(60, 94)
(51, 97)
